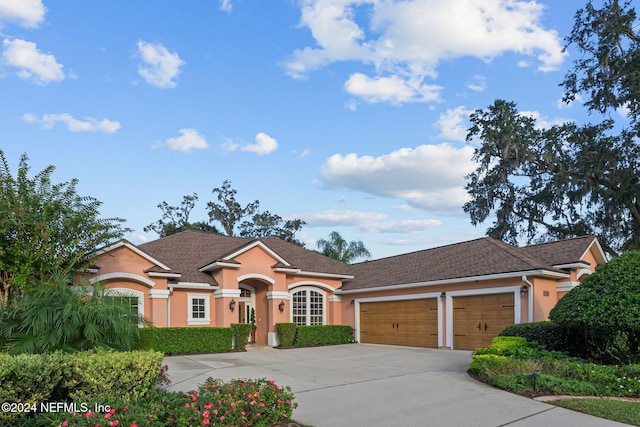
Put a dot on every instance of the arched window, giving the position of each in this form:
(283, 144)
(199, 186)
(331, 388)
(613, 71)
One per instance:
(307, 307)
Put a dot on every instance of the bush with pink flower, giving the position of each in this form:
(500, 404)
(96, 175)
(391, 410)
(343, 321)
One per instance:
(240, 402)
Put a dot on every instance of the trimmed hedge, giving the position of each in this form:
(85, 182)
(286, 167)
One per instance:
(308, 336)
(29, 379)
(102, 376)
(98, 376)
(549, 335)
(286, 334)
(241, 333)
(187, 340)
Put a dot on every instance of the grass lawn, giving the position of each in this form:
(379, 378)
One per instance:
(624, 412)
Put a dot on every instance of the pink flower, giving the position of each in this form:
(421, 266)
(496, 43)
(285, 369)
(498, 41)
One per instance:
(206, 422)
(193, 398)
(65, 423)
(114, 423)
(215, 412)
(88, 414)
(205, 414)
(222, 418)
(208, 405)
(126, 408)
(133, 425)
(107, 415)
(233, 404)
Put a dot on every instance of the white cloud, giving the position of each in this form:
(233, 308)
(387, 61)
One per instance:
(87, 124)
(264, 145)
(394, 89)
(402, 226)
(26, 13)
(160, 67)
(332, 218)
(404, 41)
(543, 122)
(453, 124)
(226, 6)
(189, 140)
(32, 65)
(477, 83)
(428, 177)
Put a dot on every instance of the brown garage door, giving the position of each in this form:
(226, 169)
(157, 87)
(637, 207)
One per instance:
(479, 318)
(411, 322)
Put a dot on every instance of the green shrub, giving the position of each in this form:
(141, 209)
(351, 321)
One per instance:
(604, 311)
(188, 340)
(105, 376)
(29, 378)
(548, 334)
(286, 334)
(236, 403)
(520, 383)
(308, 336)
(241, 333)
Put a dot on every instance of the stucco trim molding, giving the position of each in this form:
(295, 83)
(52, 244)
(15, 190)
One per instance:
(122, 275)
(566, 286)
(311, 283)
(256, 276)
(227, 293)
(134, 249)
(583, 272)
(158, 293)
(278, 295)
(517, 274)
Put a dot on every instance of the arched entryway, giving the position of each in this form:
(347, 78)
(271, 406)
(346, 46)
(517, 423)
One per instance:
(253, 301)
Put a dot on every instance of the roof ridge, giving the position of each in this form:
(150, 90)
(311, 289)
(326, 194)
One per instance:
(586, 236)
(516, 251)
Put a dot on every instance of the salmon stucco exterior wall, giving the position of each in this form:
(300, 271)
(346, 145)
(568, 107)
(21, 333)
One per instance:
(459, 295)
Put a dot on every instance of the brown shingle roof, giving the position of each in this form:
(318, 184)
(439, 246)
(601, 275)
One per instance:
(480, 257)
(189, 251)
(561, 252)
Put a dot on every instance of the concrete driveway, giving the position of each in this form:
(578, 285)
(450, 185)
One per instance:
(378, 385)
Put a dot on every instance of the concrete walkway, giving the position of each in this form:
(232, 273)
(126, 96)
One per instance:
(378, 385)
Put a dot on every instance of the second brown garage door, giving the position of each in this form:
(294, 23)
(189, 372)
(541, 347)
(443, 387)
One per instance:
(479, 318)
(410, 322)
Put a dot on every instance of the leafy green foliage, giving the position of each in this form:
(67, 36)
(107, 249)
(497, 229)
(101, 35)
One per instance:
(549, 335)
(46, 227)
(84, 377)
(569, 180)
(241, 333)
(605, 311)
(187, 340)
(28, 378)
(54, 316)
(308, 336)
(286, 334)
(509, 363)
(338, 248)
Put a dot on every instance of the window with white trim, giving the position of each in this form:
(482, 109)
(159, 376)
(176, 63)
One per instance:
(307, 307)
(198, 309)
(129, 297)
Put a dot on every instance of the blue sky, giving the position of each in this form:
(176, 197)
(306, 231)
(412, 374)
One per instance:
(351, 115)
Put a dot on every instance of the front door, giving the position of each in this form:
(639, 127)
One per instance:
(245, 308)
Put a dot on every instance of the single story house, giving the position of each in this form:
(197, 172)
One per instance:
(457, 296)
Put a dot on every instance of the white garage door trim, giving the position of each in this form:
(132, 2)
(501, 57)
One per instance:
(470, 292)
(428, 295)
